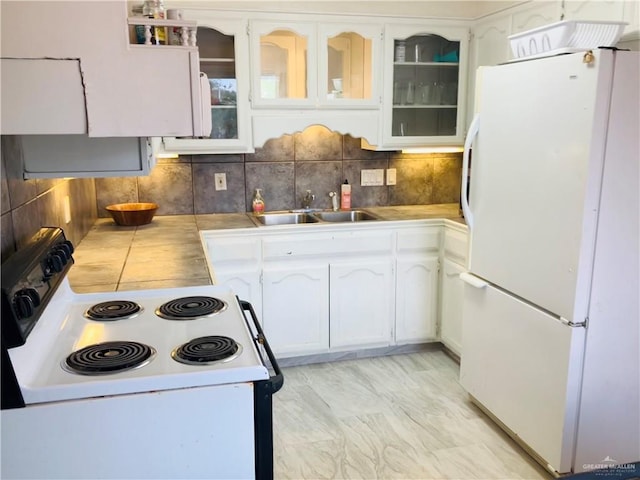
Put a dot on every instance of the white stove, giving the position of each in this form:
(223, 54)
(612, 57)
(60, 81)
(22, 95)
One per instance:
(186, 372)
(64, 329)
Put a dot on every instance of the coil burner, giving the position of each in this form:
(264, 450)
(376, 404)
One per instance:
(190, 308)
(108, 357)
(113, 310)
(207, 350)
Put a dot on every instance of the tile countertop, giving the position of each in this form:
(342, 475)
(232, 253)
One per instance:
(168, 253)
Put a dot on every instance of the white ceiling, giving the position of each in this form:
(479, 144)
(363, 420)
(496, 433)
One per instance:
(461, 9)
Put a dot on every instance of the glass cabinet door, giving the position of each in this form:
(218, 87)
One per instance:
(217, 60)
(348, 64)
(425, 84)
(281, 60)
(224, 57)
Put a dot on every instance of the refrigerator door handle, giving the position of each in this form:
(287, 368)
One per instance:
(471, 135)
(472, 280)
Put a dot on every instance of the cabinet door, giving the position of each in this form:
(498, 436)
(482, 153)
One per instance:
(600, 10)
(245, 284)
(416, 298)
(283, 71)
(632, 17)
(362, 303)
(535, 14)
(235, 261)
(425, 85)
(451, 306)
(349, 59)
(295, 309)
(489, 46)
(224, 57)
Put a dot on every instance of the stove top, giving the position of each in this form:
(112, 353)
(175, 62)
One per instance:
(134, 347)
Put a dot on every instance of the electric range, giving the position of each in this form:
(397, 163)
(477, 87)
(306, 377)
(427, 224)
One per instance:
(197, 346)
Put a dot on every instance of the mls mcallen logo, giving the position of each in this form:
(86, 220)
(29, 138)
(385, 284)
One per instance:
(610, 467)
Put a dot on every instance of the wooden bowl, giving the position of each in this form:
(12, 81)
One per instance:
(132, 214)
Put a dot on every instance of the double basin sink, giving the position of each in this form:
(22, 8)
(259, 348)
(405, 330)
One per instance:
(293, 218)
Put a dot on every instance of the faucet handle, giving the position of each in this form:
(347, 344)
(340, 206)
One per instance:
(334, 200)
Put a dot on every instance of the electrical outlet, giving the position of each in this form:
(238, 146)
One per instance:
(221, 181)
(391, 176)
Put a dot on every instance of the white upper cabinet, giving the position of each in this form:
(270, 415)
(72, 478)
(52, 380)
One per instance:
(315, 64)
(224, 57)
(425, 79)
(349, 59)
(595, 10)
(315, 72)
(119, 89)
(535, 14)
(283, 73)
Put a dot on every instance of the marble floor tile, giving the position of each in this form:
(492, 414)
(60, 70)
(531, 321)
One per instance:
(399, 416)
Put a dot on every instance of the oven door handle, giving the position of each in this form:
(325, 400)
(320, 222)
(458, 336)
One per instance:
(276, 380)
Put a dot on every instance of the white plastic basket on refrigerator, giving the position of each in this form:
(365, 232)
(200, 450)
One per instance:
(565, 37)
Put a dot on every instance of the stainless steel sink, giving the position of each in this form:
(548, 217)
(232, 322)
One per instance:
(345, 216)
(283, 218)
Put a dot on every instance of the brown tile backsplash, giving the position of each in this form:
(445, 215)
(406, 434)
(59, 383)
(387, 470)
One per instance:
(170, 185)
(318, 143)
(316, 159)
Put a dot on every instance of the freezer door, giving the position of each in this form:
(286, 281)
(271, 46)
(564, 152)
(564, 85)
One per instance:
(535, 182)
(523, 365)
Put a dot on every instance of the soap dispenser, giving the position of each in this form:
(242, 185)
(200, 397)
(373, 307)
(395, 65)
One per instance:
(258, 202)
(345, 196)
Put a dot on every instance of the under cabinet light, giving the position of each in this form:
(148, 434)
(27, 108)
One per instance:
(433, 150)
(166, 155)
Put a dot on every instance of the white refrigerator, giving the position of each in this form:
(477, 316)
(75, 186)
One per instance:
(551, 315)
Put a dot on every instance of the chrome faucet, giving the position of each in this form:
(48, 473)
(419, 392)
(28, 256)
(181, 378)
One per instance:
(307, 199)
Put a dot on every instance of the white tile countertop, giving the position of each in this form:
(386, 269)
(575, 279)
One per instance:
(168, 251)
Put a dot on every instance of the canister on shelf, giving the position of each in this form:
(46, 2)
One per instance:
(400, 52)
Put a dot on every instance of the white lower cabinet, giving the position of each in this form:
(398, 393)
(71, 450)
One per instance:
(416, 299)
(296, 307)
(236, 261)
(451, 306)
(454, 258)
(346, 288)
(361, 303)
(417, 259)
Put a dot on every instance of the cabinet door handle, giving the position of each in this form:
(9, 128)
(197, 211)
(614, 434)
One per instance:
(472, 280)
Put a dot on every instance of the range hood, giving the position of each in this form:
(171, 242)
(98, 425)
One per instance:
(60, 156)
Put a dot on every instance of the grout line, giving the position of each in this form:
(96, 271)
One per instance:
(125, 259)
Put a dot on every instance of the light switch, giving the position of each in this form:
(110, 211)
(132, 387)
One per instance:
(391, 176)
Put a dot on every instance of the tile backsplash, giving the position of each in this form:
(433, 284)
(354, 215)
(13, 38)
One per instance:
(28, 205)
(316, 159)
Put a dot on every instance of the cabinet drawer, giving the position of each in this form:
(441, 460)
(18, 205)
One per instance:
(456, 245)
(422, 239)
(233, 249)
(327, 243)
